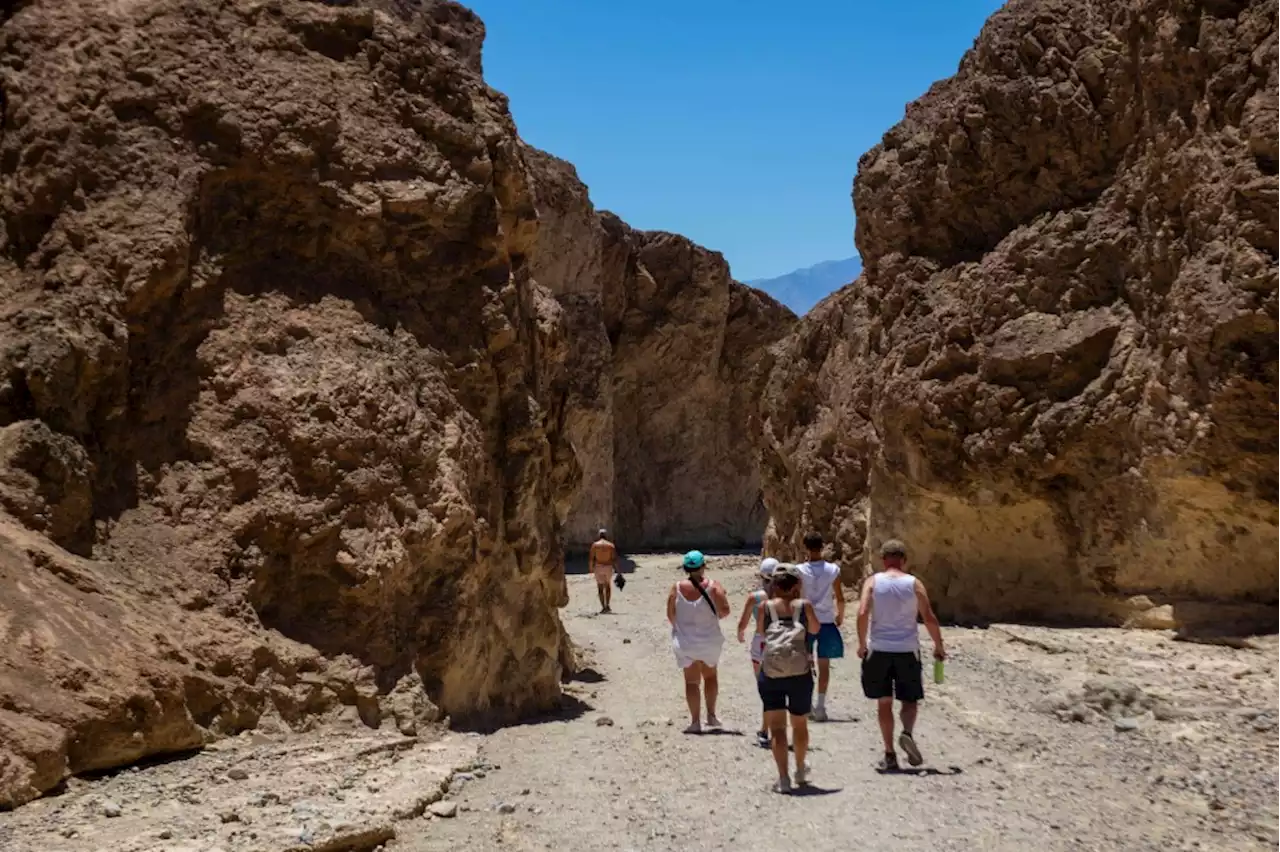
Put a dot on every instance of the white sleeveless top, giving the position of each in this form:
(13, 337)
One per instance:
(697, 625)
(893, 614)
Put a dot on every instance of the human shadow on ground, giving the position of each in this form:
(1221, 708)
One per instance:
(811, 790)
(579, 564)
(714, 732)
(921, 771)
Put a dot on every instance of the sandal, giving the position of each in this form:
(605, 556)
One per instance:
(888, 763)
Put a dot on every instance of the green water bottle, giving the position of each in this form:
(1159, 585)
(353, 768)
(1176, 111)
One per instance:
(937, 671)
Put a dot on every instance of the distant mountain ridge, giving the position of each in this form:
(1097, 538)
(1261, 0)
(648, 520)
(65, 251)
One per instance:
(804, 288)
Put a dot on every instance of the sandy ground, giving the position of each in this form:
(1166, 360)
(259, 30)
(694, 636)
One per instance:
(1002, 770)
(1039, 739)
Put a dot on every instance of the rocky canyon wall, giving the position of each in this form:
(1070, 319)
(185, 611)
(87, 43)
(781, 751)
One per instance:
(666, 362)
(282, 409)
(1056, 379)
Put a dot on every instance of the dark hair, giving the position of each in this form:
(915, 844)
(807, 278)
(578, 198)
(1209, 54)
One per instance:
(813, 540)
(785, 583)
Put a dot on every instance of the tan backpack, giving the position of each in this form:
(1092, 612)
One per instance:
(785, 654)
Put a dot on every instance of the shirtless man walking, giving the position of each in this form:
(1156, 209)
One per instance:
(602, 557)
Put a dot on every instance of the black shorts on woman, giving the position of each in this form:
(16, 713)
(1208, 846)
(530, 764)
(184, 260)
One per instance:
(793, 694)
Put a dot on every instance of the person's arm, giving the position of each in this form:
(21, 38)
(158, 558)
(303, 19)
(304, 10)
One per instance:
(760, 607)
(591, 560)
(930, 621)
(864, 615)
(839, 592)
(811, 624)
(721, 599)
(671, 606)
(746, 616)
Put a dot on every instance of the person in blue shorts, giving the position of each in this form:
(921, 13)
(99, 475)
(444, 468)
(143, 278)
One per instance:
(821, 581)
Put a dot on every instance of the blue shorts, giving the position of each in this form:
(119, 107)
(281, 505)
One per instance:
(829, 641)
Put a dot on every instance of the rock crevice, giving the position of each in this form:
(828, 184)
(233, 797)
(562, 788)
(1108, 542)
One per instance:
(666, 362)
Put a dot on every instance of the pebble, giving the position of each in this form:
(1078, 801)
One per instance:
(506, 808)
(110, 808)
(229, 816)
(237, 773)
(166, 834)
(1127, 724)
(463, 776)
(604, 721)
(446, 810)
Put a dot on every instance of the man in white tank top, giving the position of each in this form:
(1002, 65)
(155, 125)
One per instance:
(822, 586)
(889, 645)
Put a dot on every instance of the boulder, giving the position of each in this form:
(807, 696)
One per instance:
(1056, 378)
(281, 405)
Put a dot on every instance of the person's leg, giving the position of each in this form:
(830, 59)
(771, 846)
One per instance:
(776, 722)
(830, 647)
(884, 713)
(608, 593)
(712, 687)
(877, 684)
(692, 680)
(824, 679)
(601, 590)
(909, 690)
(800, 736)
(800, 702)
(909, 711)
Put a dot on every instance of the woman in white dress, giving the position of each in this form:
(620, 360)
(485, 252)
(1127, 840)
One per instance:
(694, 608)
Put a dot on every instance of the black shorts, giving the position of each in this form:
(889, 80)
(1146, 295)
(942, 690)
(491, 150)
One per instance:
(886, 673)
(793, 694)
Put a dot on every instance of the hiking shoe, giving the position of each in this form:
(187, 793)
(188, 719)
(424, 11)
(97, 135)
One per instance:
(782, 785)
(818, 714)
(888, 763)
(713, 722)
(908, 744)
(694, 728)
(762, 739)
(802, 774)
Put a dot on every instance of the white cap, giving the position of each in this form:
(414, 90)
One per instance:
(768, 566)
(603, 532)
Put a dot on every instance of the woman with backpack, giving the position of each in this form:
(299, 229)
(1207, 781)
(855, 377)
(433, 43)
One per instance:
(694, 608)
(786, 676)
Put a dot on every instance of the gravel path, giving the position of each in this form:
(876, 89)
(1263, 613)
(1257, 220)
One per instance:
(1039, 740)
(615, 771)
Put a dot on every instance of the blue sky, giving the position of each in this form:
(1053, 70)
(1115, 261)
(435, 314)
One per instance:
(738, 123)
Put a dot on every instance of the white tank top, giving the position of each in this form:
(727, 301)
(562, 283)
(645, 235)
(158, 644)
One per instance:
(893, 614)
(696, 622)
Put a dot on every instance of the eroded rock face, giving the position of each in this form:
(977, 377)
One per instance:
(665, 367)
(276, 386)
(1056, 379)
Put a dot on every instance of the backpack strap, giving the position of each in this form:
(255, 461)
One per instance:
(706, 597)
